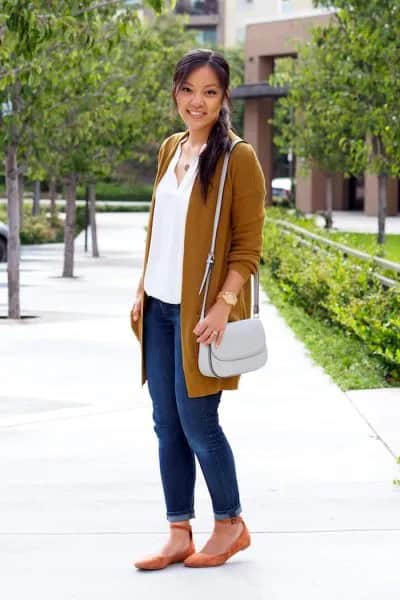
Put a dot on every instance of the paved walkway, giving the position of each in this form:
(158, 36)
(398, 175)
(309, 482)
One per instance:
(343, 220)
(80, 494)
(358, 222)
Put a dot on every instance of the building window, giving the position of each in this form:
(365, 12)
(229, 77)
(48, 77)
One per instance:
(205, 35)
(240, 34)
(197, 7)
(286, 6)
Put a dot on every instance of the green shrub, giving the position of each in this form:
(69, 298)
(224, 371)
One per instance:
(341, 290)
(115, 191)
(41, 229)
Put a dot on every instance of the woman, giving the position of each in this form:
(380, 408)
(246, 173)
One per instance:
(166, 313)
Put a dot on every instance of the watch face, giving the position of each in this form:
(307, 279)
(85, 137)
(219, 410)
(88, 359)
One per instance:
(229, 298)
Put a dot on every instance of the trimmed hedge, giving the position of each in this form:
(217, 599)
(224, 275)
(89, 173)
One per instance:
(343, 291)
(113, 191)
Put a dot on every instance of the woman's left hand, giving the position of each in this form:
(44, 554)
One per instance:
(215, 320)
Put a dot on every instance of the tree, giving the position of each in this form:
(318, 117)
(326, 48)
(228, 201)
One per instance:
(26, 27)
(370, 86)
(110, 104)
(323, 130)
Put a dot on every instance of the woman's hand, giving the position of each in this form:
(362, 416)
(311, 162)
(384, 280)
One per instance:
(138, 303)
(215, 320)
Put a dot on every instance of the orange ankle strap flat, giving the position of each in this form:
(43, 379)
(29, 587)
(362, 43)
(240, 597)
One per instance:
(200, 559)
(187, 528)
(231, 520)
(158, 561)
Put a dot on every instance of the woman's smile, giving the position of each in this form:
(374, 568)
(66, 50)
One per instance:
(195, 114)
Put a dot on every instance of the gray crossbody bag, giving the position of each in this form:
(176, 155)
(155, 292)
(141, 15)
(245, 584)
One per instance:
(243, 347)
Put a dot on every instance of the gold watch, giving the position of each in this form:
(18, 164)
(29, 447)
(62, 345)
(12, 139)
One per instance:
(229, 297)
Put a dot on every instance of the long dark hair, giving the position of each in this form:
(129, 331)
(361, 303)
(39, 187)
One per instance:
(218, 138)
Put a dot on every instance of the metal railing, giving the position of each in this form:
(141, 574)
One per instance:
(300, 233)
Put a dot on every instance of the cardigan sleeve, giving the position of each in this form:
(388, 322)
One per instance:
(247, 212)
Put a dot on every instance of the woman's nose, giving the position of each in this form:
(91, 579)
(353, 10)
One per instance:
(197, 102)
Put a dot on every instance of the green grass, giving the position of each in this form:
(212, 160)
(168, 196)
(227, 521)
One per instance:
(340, 354)
(365, 242)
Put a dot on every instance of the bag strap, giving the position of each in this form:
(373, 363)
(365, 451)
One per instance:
(211, 257)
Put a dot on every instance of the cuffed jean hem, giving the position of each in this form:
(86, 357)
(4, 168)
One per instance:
(230, 513)
(181, 517)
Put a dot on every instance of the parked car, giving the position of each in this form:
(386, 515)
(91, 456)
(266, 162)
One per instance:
(280, 190)
(3, 242)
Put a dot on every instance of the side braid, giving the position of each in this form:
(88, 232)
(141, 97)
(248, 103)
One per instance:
(217, 144)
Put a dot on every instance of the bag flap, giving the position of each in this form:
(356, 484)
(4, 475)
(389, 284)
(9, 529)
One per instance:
(241, 339)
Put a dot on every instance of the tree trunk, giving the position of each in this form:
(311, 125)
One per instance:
(92, 219)
(382, 183)
(13, 249)
(329, 201)
(86, 216)
(69, 228)
(378, 150)
(36, 199)
(53, 197)
(21, 187)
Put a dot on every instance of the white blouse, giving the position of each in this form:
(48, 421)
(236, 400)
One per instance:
(163, 275)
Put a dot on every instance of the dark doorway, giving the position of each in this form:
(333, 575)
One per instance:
(356, 193)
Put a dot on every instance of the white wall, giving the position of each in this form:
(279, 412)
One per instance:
(239, 13)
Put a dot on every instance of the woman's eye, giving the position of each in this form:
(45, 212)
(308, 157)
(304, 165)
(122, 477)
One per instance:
(209, 92)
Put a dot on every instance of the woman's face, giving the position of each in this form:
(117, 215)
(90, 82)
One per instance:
(200, 99)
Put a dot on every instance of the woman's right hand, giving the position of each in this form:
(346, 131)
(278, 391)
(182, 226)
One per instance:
(138, 303)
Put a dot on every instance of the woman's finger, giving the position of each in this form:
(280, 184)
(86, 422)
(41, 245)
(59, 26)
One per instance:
(203, 337)
(219, 339)
(201, 327)
(207, 336)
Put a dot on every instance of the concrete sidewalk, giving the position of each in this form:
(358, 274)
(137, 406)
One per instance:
(80, 493)
(358, 222)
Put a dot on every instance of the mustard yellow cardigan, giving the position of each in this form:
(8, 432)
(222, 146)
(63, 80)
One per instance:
(238, 247)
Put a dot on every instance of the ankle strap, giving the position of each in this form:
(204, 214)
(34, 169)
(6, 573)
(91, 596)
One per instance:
(187, 528)
(232, 520)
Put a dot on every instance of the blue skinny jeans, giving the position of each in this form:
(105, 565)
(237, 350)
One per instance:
(185, 427)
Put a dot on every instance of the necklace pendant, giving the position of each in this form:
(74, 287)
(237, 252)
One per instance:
(186, 167)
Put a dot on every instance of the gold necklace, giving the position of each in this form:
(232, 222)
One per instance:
(186, 166)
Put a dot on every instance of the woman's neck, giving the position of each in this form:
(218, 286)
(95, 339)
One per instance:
(197, 138)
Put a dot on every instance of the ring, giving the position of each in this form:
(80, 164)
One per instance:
(215, 332)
